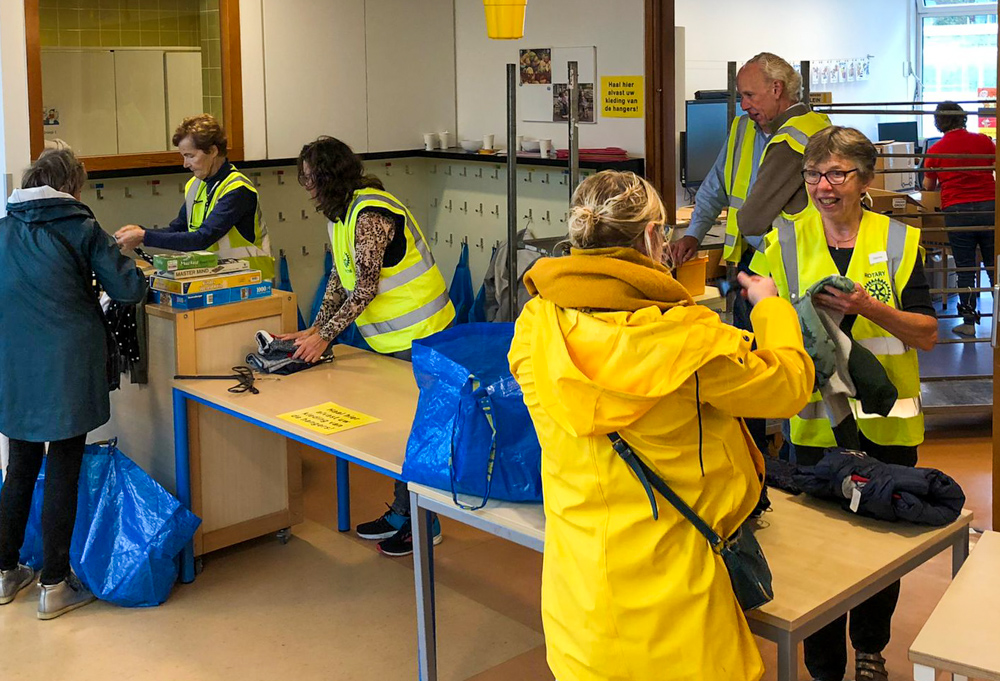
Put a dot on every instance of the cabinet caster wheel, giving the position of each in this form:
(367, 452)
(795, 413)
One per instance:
(284, 535)
(199, 566)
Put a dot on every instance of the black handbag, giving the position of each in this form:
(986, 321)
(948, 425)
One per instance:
(113, 361)
(742, 555)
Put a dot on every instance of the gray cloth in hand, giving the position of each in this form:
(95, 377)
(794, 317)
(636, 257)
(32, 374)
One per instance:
(844, 369)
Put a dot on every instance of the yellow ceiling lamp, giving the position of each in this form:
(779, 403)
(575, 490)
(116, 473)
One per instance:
(505, 19)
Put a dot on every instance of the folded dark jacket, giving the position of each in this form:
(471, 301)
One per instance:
(888, 492)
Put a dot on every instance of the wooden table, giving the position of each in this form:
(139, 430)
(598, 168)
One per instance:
(824, 560)
(962, 635)
(372, 384)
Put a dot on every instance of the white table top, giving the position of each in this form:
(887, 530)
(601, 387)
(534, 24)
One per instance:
(962, 635)
(366, 382)
(819, 554)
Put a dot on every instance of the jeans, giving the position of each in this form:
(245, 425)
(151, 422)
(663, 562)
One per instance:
(963, 248)
(870, 622)
(62, 480)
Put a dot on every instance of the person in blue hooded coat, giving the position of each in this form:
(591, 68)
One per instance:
(53, 358)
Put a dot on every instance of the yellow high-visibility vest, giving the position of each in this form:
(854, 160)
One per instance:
(412, 300)
(233, 245)
(885, 253)
(739, 166)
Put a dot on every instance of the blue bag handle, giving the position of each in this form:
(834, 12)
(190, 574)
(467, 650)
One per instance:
(487, 406)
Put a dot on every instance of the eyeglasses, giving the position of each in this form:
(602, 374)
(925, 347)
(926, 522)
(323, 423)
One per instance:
(832, 176)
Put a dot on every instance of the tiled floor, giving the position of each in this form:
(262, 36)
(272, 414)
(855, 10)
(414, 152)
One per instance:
(328, 606)
(465, 560)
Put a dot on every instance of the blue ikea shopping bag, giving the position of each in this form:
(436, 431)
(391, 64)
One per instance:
(129, 530)
(472, 433)
(460, 291)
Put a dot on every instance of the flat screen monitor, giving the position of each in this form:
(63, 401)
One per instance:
(898, 132)
(705, 137)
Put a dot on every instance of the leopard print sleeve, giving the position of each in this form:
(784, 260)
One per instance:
(372, 235)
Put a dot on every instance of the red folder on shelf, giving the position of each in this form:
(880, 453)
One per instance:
(606, 154)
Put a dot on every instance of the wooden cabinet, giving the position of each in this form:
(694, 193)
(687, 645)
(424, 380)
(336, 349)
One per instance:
(246, 481)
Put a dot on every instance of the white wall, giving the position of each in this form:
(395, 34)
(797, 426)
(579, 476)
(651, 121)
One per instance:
(734, 30)
(15, 151)
(615, 28)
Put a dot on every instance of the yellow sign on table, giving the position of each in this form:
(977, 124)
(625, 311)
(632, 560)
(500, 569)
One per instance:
(327, 418)
(622, 97)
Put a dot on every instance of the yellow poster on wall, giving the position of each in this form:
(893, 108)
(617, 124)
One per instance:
(327, 418)
(622, 96)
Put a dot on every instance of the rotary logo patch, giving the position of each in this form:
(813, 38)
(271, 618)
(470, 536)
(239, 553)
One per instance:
(879, 289)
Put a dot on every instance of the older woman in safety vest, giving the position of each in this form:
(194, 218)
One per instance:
(889, 312)
(221, 210)
(384, 280)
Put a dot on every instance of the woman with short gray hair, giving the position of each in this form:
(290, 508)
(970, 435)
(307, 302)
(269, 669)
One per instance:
(53, 364)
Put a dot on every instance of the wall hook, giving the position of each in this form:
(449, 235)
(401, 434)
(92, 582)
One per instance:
(479, 173)
(281, 216)
(156, 187)
(434, 203)
(527, 177)
(180, 188)
(496, 173)
(465, 207)
(465, 240)
(546, 179)
(304, 251)
(435, 239)
(481, 245)
(530, 216)
(448, 206)
(406, 170)
(128, 193)
(480, 209)
(465, 171)
(547, 218)
(496, 210)
(434, 169)
(281, 176)
(447, 170)
(305, 216)
(451, 240)
(281, 252)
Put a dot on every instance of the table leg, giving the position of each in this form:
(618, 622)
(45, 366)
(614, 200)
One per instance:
(343, 495)
(788, 658)
(423, 575)
(182, 467)
(959, 552)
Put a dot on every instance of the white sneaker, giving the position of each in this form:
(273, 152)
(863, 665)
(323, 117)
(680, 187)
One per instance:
(59, 599)
(965, 330)
(13, 581)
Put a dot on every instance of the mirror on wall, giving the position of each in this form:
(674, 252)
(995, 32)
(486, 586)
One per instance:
(118, 76)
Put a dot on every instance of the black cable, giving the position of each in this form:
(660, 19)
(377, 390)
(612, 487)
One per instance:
(243, 375)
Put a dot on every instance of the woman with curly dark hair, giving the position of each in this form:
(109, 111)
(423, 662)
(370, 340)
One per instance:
(385, 280)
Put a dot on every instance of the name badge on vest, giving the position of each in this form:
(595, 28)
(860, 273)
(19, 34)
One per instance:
(877, 257)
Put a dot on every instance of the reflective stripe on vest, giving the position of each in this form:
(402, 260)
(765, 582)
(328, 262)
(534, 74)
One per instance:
(800, 253)
(412, 300)
(738, 172)
(233, 244)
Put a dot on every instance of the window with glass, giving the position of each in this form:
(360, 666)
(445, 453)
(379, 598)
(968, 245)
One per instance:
(116, 77)
(958, 41)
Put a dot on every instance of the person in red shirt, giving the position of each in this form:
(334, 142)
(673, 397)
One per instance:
(968, 200)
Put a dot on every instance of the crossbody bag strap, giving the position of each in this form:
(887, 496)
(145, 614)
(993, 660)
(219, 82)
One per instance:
(649, 478)
(487, 408)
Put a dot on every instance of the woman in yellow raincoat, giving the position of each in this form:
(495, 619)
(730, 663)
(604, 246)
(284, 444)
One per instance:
(611, 342)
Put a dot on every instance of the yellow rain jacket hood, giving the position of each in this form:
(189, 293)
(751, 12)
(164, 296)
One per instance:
(612, 342)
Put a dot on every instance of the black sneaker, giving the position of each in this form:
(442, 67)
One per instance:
(401, 543)
(869, 667)
(384, 527)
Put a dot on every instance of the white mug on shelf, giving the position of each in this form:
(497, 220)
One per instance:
(444, 140)
(544, 147)
(430, 140)
(488, 141)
